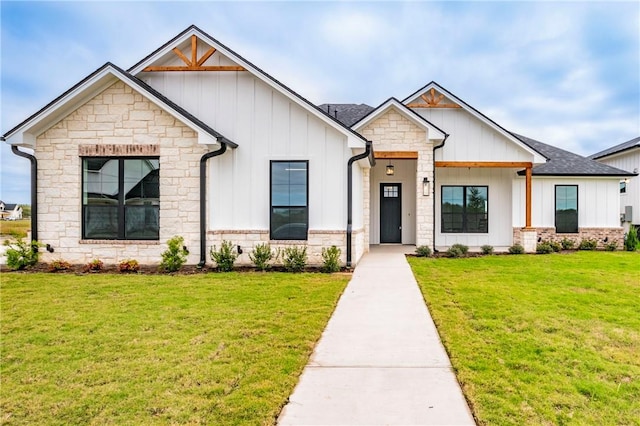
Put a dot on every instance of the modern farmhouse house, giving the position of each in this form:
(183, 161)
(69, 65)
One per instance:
(194, 140)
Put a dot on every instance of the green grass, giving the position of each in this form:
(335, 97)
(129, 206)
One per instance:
(135, 349)
(547, 339)
(15, 227)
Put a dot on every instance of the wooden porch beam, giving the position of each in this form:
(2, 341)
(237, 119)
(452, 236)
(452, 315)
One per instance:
(194, 50)
(196, 68)
(398, 155)
(483, 164)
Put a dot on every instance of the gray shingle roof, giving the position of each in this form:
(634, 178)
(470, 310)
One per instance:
(347, 114)
(624, 146)
(565, 163)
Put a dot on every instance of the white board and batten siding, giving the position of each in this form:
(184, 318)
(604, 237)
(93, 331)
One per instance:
(596, 196)
(498, 181)
(267, 126)
(470, 139)
(630, 162)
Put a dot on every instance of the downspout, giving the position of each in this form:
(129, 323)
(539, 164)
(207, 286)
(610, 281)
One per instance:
(434, 189)
(34, 190)
(365, 154)
(203, 200)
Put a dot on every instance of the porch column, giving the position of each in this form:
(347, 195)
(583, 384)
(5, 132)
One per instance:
(528, 199)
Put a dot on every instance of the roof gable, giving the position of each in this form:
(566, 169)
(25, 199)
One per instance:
(434, 132)
(435, 96)
(167, 53)
(25, 133)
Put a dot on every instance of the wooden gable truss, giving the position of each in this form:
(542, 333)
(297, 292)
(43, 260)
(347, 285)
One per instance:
(195, 64)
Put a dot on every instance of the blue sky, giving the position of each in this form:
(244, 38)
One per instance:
(565, 73)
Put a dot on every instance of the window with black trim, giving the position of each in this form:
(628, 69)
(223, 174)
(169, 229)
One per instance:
(623, 186)
(465, 209)
(289, 200)
(567, 209)
(121, 198)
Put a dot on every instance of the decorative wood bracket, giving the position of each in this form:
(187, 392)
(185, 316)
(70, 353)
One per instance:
(432, 101)
(195, 64)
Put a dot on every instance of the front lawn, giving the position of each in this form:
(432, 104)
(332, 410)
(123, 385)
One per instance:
(541, 339)
(135, 349)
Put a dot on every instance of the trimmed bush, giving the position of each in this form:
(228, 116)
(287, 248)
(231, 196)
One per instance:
(464, 249)
(544, 248)
(631, 240)
(94, 266)
(516, 249)
(588, 244)
(455, 251)
(261, 255)
(556, 246)
(225, 257)
(175, 256)
(486, 249)
(294, 259)
(129, 266)
(423, 251)
(331, 259)
(59, 265)
(21, 254)
(611, 246)
(567, 244)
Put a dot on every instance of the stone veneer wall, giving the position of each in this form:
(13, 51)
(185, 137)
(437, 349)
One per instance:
(120, 122)
(393, 132)
(599, 234)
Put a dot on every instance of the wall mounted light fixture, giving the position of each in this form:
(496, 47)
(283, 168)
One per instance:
(426, 187)
(390, 170)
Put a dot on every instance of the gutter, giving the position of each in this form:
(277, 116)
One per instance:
(434, 188)
(203, 200)
(367, 152)
(34, 190)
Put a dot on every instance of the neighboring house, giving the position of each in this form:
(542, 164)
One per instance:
(625, 156)
(196, 141)
(10, 211)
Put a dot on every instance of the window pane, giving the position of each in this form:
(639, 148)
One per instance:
(142, 222)
(465, 209)
(100, 181)
(141, 182)
(101, 222)
(289, 212)
(566, 209)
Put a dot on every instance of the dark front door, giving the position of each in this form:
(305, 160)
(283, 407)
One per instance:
(390, 213)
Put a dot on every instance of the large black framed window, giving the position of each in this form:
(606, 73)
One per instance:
(567, 209)
(121, 198)
(289, 200)
(465, 209)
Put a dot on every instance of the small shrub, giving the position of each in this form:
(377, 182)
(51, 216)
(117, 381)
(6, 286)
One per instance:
(556, 246)
(544, 248)
(175, 256)
(294, 259)
(261, 255)
(21, 254)
(331, 259)
(225, 257)
(588, 244)
(59, 265)
(462, 248)
(567, 244)
(129, 265)
(423, 251)
(611, 246)
(631, 240)
(486, 249)
(455, 251)
(516, 249)
(94, 266)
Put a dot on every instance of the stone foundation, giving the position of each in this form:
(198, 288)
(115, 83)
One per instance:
(599, 234)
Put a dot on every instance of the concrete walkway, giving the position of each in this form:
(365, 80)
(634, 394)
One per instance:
(380, 360)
